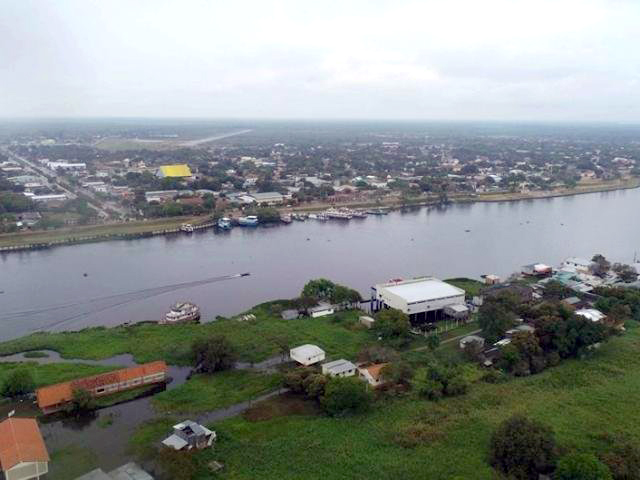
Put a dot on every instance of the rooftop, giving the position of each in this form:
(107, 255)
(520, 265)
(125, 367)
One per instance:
(339, 366)
(307, 350)
(21, 441)
(62, 392)
(181, 170)
(420, 289)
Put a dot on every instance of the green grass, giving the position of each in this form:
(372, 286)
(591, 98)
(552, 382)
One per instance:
(472, 287)
(71, 462)
(210, 392)
(50, 373)
(414, 438)
(36, 354)
(339, 335)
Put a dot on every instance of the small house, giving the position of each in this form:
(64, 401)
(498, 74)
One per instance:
(591, 314)
(469, 339)
(321, 310)
(491, 279)
(23, 454)
(367, 321)
(289, 314)
(537, 270)
(307, 354)
(372, 374)
(189, 435)
(339, 368)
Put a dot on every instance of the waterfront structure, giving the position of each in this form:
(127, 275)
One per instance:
(23, 454)
(55, 397)
(189, 435)
(422, 299)
(174, 171)
(339, 368)
(307, 354)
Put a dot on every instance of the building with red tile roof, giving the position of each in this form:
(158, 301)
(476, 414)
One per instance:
(23, 454)
(54, 397)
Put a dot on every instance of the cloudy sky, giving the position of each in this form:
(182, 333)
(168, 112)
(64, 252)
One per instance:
(430, 59)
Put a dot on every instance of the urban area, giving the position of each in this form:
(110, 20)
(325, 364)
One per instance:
(417, 366)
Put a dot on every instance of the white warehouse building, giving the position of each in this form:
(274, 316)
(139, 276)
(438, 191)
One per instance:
(423, 299)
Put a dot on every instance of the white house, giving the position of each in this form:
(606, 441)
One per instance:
(321, 310)
(307, 354)
(23, 454)
(577, 264)
(339, 368)
(372, 374)
(591, 314)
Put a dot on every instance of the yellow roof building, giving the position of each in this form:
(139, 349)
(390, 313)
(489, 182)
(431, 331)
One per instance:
(175, 171)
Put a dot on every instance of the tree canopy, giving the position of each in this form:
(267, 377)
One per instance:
(212, 354)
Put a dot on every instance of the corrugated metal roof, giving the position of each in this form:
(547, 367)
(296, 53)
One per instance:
(181, 170)
(21, 441)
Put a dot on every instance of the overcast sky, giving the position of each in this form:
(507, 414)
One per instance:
(441, 59)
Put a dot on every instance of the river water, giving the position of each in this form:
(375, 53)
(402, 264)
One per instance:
(460, 240)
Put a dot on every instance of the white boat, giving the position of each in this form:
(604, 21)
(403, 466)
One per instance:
(182, 312)
(187, 228)
(248, 221)
(338, 214)
(286, 218)
(224, 223)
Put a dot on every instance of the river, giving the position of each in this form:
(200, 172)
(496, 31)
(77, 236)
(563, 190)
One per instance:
(460, 240)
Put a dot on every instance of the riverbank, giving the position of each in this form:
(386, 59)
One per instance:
(16, 242)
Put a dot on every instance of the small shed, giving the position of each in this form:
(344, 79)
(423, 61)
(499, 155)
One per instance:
(469, 339)
(372, 374)
(367, 321)
(321, 310)
(339, 368)
(290, 314)
(189, 435)
(491, 279)
(457, 311)
(307, 354)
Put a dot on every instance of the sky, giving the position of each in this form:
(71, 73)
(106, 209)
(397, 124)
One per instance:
(520, 60)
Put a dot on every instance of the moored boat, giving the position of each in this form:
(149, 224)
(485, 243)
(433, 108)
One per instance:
(286, 218)
(224, 223)
(248, 221)
(182, 312)
(187, 228)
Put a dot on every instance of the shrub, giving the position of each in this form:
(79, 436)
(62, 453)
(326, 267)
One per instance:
(431, 389)
(623, 459)
(345, 395)
(212, 354)
(19, 382)
(456, 386)
(522, 448)
(582, 466)
(494, 376)
(81, 402)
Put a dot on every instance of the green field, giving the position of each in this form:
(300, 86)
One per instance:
(410, 437)
(472, 287)
(339, 335)
(50, 373)
(203, 393)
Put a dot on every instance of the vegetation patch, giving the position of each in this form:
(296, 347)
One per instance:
(281, 406)
(209, 392)
(71, 462)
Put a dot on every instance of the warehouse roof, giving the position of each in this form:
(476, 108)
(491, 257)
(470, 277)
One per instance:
(21, 441)
(181, 170)
(307, 351)
(63, 392)
(338, 366)
(420, 289)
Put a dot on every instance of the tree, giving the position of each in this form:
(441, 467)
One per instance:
(345, 395)
(212, 354)
(601, 265)
(19, 382)
(626, 273)
(81, 402)
(494, 318)
(377, 354)
(433, 342)
(582, 466)
(439, 381)
(391, 323)
(522, 448)
(398, 373)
